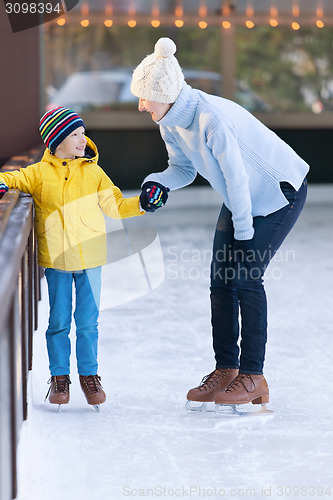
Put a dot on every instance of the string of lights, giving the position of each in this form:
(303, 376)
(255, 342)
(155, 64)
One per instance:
(295, 19)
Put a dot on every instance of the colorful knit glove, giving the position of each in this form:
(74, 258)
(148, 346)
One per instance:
(3, 189)
(153, 196)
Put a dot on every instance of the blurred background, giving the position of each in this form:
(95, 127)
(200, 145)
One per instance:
(274, 57)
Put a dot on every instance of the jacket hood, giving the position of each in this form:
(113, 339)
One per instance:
(90, 155)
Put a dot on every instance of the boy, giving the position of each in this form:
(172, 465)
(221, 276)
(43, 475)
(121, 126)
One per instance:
(71, 193)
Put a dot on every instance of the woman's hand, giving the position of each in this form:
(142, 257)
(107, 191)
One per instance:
(244, 255)
(153, 196)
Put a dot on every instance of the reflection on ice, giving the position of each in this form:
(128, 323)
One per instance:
(245, 410)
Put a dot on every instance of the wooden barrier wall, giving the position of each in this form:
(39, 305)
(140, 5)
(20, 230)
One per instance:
(19, 296)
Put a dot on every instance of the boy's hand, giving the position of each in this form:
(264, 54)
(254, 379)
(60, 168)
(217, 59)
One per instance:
(3, 189)
(153, 196)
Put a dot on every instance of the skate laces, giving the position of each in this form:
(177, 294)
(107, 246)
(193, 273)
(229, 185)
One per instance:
(212, 379)
(60, 385)
(92, 382)
(238, 382)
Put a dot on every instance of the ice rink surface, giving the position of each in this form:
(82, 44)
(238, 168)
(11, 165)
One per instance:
(153, 349)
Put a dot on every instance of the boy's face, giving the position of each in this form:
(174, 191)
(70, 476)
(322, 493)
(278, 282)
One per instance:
(74, 145)
(156, 109)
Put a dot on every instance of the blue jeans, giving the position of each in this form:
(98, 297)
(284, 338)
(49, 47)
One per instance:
(238, 287)
(87, 291)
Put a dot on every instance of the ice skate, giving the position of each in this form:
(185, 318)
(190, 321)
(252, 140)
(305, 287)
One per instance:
(58, 392)
(243, 390)
(201, 398)
(93, 390)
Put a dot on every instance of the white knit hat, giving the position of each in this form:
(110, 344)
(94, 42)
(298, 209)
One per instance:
(158, 77)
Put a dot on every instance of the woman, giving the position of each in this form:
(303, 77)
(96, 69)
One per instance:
(262, 182)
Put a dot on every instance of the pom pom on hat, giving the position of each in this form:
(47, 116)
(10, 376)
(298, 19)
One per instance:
(165, 47)
(56, 124)
(159, 77)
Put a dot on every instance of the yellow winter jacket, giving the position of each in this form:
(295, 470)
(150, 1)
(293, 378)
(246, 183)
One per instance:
(70, 197)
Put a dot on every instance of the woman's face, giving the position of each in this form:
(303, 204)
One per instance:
(156, 109)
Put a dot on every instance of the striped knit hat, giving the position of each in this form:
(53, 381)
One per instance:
(57, 124)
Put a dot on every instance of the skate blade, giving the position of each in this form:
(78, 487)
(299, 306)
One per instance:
(235, 411)
(199, 406)
(97, 408)
(59, 407)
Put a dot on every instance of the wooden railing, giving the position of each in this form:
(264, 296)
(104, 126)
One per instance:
(19, 296)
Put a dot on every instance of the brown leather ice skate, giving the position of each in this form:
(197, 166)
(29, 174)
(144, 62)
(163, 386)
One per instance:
(59, 389)
(210, 385)
(92, 389)
(244, 389)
